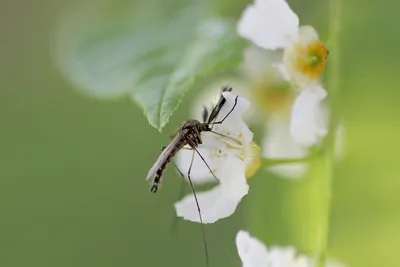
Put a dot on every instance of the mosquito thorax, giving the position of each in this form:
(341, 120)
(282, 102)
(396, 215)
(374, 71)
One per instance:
(190, 124)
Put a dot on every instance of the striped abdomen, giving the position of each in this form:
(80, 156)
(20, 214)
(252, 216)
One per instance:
(163, 165)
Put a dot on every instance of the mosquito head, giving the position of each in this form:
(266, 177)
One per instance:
(226, 89)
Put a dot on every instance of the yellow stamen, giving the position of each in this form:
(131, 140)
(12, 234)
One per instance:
(311, 59)
(271, 93)
(255, 161)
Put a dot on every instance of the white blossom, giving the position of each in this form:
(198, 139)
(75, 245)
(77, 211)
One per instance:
(271, 24)
(228, 157)
(267, 89)
(254, 253)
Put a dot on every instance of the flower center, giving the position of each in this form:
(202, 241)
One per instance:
(248, 153)
(255, 161)
(311, 59)
(271, 94)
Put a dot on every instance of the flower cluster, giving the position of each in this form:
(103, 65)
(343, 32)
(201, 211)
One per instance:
(282, 67)
(272, 25)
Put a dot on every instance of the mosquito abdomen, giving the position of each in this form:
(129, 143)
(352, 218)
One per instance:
(160, 171)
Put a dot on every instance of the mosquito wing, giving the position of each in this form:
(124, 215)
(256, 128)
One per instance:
(168, 152)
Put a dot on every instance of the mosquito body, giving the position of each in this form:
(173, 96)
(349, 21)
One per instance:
(189, 134)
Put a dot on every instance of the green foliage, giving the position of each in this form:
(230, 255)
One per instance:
(154, 55)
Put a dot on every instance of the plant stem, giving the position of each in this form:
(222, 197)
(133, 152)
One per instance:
(274, 162)
(334, 90)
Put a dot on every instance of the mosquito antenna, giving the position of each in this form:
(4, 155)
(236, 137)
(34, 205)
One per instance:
(215, 111)
(226, 116)
(198, 209)
(228, 137)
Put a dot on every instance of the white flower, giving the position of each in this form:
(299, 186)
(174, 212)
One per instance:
(228, 157)
(254, 253)
(279, 144)
(271, 24)
(272, 97)
(305, 59)
(268, 91)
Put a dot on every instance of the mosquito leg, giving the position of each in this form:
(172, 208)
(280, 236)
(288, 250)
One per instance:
(198, 209)
(174, 225)
(193, 146)
(205, 162)
(198, 136)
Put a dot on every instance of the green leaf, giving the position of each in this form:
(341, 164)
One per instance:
(154, 55)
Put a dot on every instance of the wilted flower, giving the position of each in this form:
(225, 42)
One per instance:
(271, 24)
(254, 253)
(230, 156)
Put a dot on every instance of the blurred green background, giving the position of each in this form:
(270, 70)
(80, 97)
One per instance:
(72, 187)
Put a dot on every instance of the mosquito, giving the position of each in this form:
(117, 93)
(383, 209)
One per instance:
(189, 133)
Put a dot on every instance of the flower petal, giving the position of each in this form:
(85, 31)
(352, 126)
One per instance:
(232, 136)
(222, 200)
(254, 253)
(286, 256)
(280, 144)
(259, 62)
(251, 251)
(307, 34)
(308, 121)
(270, 24)
(233, 180)
(284, 71)
(233, 125)
(199, 171)
(213, 206)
